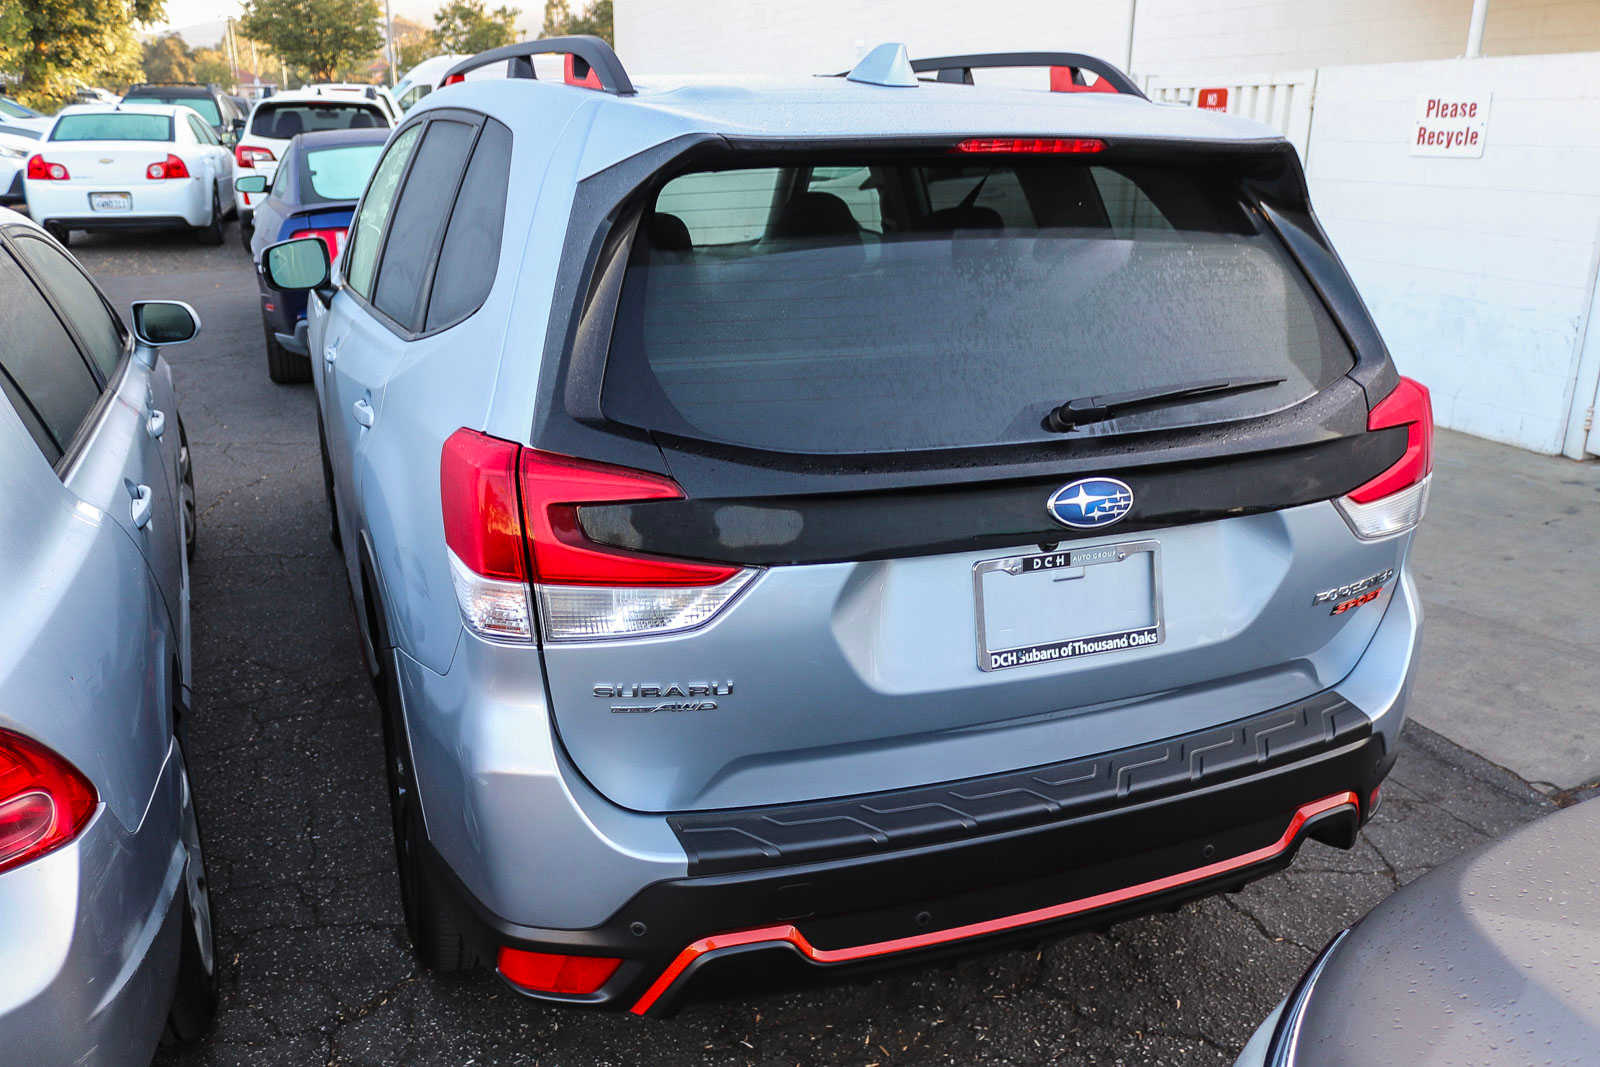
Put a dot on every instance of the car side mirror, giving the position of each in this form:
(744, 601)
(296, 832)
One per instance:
(161, 322)
(251, 183)
(296, 266)
(238, 125)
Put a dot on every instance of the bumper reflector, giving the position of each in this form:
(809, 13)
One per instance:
(547, 972)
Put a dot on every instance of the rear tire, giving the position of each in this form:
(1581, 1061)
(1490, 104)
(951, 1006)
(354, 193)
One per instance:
(60, 233)
(211, 233)
(436, 936)
(283, 366)
(194, 1001)
(191, 515)
(246, 231)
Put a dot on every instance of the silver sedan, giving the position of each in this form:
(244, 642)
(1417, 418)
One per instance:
(105, 918)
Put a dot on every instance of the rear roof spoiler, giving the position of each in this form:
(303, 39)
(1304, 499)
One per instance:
(959, 69)
(589, 55)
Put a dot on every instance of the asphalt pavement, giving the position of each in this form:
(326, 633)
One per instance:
(286, 756)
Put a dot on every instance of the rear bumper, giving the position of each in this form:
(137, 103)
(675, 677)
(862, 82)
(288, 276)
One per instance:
(177, 203)
(1081, 867)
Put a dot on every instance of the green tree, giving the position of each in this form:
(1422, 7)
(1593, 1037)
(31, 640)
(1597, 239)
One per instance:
(168, 59)
(321, 36)
(211, 67)
(595, 20)
(466, 27)
(62, 43)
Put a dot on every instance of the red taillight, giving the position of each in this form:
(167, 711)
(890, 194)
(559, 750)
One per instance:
(1032, 145)
(42, 170)
(332, 236)
(248, 155)
(171, 167)
(44, 800)
(1408, 406)
(547, 972)
(553, 486)
(482, 522)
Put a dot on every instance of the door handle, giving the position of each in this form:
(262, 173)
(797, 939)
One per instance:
(363, 412)
(139, 509)
(157, 424)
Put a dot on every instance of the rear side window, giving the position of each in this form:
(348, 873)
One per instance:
(366, 230)
(283, 121)
(113, 126)
(418, 217)
(341, 173)
(78, 299)
(471, 250)
(39, 358)
(899, 303)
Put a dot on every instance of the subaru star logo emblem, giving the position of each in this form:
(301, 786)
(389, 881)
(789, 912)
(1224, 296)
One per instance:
(1090, 502)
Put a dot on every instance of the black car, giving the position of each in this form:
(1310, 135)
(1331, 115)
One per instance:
(214, 105)
(313, 194)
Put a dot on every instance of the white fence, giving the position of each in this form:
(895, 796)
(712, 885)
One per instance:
(1282, 100)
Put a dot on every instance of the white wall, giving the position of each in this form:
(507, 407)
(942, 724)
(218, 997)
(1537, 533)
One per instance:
(1479, 271)
(823, 36)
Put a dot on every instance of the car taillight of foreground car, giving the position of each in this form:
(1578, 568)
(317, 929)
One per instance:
(1396, 500)
(585, 590)
(44, 800)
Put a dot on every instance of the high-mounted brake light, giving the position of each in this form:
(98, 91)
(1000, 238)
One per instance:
(549, 972)
(511, 522)
(1396, 500)
(44, 800)
(171, 167)
(1032, 145)
(41, 169)
(248, 155)
(332, 237)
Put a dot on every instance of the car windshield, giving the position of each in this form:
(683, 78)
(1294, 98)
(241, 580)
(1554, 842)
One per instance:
(113, 126)
(283, 121)
(341, 173)
(206, 106)
(890, 304)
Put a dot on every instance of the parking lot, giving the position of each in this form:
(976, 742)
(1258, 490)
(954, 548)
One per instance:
(287, 758)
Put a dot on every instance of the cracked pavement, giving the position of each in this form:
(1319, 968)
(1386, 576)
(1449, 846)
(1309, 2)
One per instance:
(287, 762)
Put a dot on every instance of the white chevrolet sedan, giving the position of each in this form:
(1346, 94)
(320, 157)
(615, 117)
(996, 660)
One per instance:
(128, 166)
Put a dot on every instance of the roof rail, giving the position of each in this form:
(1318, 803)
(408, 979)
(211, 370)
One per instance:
(959, 69)
(593, 51)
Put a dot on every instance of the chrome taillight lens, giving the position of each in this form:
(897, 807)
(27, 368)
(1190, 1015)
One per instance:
(511, 523)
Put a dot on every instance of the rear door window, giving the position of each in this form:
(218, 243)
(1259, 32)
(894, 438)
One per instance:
(39, 357)
(903, 303)
(366, 229)
(102, 334)
(419, 216)
(471, 249)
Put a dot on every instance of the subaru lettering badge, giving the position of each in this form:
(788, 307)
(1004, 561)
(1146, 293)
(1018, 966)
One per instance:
(1089, 503)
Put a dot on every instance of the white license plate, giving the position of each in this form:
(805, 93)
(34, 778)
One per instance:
(1046, 607)
(110, 202)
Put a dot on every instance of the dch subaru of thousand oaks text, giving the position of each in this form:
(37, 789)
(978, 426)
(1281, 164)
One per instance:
(832, 522)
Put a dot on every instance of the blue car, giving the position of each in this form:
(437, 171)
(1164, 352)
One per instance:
(313, 194)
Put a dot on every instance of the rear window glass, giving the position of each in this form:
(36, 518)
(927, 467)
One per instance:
(341, 173)
(205, 105)
(113, 126)
(888, 305)
(283, 121)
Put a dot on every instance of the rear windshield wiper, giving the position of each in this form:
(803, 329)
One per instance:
(1089, 409)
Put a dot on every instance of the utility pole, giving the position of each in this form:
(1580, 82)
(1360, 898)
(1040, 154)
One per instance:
(388, 40)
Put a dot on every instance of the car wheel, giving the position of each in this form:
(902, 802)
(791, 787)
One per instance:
(60, 233)
(283, 366)
(194, 1002)
(435, 934)
(211, 233)
(327, 487)
(191, 515)
(246, 231)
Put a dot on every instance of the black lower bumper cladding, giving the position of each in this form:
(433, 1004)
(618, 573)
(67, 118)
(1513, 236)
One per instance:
(881, 878)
